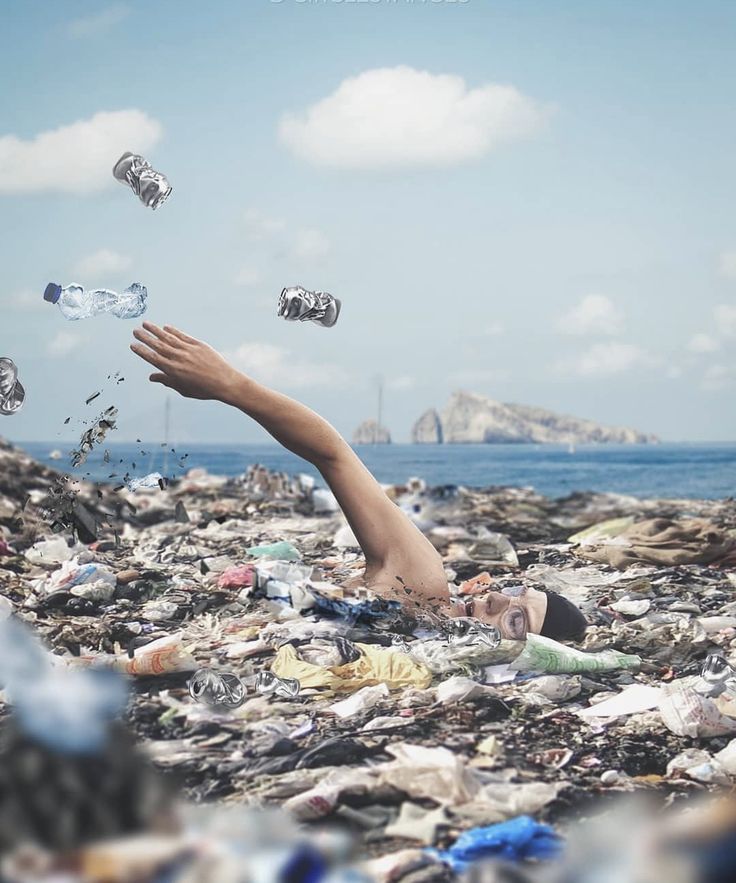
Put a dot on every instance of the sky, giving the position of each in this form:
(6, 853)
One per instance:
(528, 199)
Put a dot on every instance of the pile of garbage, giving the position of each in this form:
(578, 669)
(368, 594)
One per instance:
(265, 676)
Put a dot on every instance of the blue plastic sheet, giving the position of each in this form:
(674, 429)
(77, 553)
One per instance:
(360, 611)
(515, 840)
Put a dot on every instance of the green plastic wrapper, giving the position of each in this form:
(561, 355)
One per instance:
(545, 655)
(282, 551)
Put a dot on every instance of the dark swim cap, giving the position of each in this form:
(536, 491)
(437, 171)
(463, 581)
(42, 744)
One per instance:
(563, 620)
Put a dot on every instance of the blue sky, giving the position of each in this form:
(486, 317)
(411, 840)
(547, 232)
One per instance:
(529, 200)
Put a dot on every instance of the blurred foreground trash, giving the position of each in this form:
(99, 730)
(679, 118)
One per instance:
(515, 840)
(150, 186)
(65, 709)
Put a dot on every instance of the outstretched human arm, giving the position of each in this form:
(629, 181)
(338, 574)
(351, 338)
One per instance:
(397, 555)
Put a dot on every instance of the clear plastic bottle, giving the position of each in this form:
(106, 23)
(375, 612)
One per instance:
(76, 303)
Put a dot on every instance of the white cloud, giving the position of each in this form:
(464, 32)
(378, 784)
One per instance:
(480, 375)
(725, 315)
(305, 244)
(402, 383)
(24, 300)
(259, 226)
(401, 116)
(63, 343)
(311, 245)
(493, 329)
(101, 263)
(276, 366)
(594, 314)
(99, 22)
(248, 277)
(717, 377)
(606, 359)
(703, 343)
(77, 158)
(727, 264)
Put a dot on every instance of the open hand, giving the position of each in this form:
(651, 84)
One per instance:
(185, 364)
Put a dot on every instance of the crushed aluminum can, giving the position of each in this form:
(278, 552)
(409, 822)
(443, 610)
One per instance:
(717, 675)
(217, 688)
(12, 393)
(464, 631)
(297, 304)
(267, 682)
(150, 186)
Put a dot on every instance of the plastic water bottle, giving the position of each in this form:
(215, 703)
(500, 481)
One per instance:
(76, 303)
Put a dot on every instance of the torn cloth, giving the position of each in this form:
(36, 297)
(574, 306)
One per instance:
(664, 542)
(374, 666)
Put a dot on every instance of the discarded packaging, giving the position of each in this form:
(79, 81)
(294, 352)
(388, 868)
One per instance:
(150, 186)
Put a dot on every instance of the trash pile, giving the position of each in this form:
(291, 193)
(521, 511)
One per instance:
(264, 674)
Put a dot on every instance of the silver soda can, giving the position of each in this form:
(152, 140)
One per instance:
(150, 186)
(12, 394)
(297, 304)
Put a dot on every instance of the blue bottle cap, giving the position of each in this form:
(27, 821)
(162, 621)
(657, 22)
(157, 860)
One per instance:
(52, 293)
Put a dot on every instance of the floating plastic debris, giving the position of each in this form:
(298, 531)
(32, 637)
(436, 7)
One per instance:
(297, 304)
(94, 435)
(150, 186)
(12, 394)
(153, 479)
(76, 303)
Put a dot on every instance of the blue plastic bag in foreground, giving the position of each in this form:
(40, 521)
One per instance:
(514, 840)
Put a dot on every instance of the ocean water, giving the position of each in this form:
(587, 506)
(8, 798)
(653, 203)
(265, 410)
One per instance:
(706, 471)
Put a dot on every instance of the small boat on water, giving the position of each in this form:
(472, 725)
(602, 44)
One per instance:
(55, 454)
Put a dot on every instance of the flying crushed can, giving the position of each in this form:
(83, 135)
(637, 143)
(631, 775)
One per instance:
(12, 394)
(297, 304)
(150, 186)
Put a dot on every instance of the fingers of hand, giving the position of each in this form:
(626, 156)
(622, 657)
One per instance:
(170, 329)
(162, 334)
(159, 378)
(150, 356)
(154, 343)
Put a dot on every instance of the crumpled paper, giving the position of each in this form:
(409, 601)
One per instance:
(688, 713)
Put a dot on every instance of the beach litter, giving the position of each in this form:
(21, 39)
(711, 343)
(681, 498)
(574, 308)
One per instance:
(262, 671)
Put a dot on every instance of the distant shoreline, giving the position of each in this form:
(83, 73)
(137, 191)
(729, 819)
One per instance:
(694, 470)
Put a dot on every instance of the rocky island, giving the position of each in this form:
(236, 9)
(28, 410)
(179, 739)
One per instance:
(371, 433)
(473, 418)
